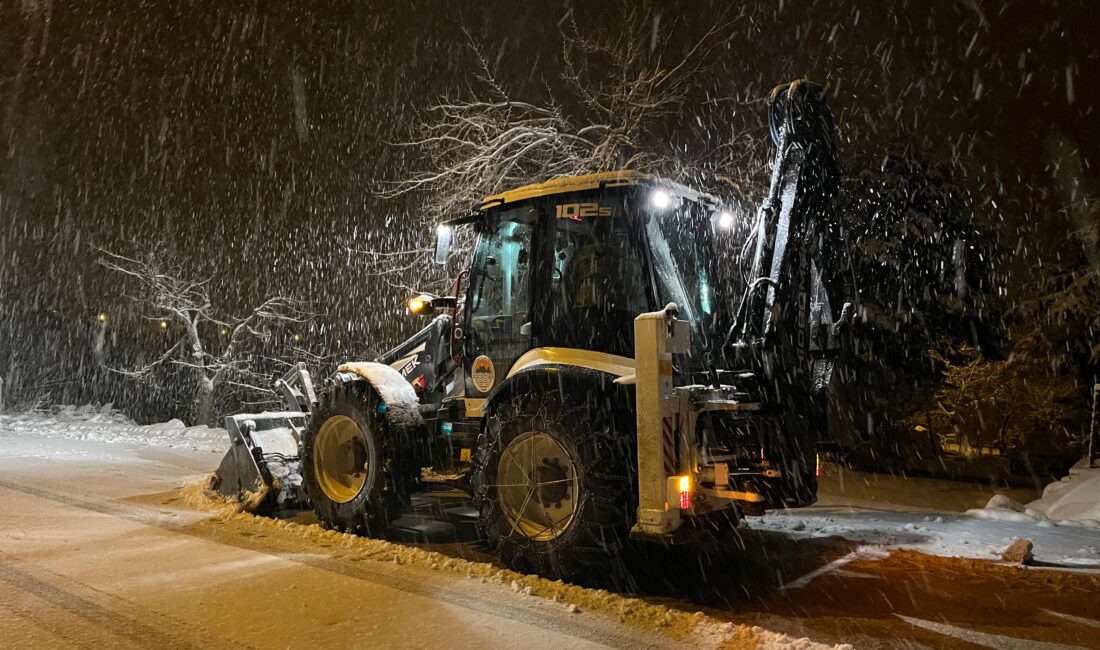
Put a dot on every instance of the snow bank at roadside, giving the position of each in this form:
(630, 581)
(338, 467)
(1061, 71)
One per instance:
(1073, 501)
(105, 424)
(1002, 508)
(1061, 525)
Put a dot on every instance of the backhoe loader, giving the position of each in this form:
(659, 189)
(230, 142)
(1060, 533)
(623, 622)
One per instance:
(599, 376)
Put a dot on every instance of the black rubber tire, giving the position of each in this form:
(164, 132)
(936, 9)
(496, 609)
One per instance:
(593, 547)
(378, 502)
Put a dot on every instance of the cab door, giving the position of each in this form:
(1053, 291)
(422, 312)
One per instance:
(498, 303)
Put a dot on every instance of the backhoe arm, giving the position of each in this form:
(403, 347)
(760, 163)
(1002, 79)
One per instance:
(786, 303)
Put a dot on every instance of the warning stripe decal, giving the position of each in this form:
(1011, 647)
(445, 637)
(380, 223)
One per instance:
(668, 449)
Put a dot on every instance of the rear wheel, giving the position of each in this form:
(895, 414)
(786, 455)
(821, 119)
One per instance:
(346, 462)
(553, 484)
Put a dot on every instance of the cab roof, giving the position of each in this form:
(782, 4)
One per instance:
(621, 178)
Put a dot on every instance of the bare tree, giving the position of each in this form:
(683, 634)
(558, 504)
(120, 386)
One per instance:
(620, 88)
(214, 347)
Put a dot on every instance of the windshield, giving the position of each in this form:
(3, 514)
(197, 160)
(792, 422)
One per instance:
(685, 266)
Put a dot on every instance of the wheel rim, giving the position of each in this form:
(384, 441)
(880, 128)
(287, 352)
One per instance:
(537, 486)
(341, 458)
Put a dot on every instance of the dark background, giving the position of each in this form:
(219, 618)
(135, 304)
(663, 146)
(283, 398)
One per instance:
(250, 137)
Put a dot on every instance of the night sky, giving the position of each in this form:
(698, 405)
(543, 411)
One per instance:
(250, 137)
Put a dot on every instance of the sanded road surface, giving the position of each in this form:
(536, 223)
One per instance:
(97, 549)
(86, 562)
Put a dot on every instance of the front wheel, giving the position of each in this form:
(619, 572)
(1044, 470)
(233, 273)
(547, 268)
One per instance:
(346, 462)
(553, 483)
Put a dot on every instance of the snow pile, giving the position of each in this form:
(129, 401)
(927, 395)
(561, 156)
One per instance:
(1002, 508)
(1075, 500)
(105, 424)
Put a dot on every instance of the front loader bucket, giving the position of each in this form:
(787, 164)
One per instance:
(262, 466)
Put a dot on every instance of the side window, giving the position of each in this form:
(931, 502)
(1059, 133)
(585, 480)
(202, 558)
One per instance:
(499, 300)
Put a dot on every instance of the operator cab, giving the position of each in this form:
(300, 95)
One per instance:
(565, 266)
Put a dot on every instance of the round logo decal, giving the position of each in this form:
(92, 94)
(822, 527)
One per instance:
(483, 373)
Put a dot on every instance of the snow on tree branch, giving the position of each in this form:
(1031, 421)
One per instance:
(214, 347)
(620, 90)
(620, 100)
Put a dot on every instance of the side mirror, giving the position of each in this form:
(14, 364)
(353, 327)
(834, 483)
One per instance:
(442, 243)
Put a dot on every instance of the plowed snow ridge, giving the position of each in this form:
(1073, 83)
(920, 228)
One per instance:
(697, 628)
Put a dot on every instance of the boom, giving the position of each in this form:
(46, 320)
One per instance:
(787, 302)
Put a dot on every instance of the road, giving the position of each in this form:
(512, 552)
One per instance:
(99, 547)
(96, 550)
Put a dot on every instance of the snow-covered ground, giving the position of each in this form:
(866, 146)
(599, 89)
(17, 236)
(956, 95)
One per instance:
(1062, 524)
(84, 463)
(105, 424)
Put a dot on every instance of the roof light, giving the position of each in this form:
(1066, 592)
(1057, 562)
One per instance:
(660, 199)
(725, 220)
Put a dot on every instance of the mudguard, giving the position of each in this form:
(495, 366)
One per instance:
(559, 377)
(401, 402)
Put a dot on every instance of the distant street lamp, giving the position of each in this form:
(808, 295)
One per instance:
(163, 325)
(100, 339)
